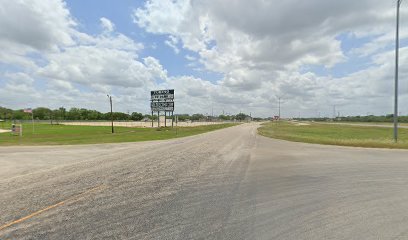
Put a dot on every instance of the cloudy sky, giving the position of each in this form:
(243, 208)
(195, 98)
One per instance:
(232, 56)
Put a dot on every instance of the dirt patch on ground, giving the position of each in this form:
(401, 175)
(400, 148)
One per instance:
(303, 124)
(300, 124)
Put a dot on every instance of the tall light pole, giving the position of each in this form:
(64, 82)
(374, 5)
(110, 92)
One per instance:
(110, 100)
(396, 73)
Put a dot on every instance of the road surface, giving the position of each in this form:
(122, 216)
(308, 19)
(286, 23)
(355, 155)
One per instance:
(227, 184)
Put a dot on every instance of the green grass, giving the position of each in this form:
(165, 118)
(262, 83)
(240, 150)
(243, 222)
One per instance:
(369, 123)
(46, 134)
(332, 134)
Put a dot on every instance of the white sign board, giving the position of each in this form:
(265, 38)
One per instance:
(162, 100)
(162, 94)
(162, 106)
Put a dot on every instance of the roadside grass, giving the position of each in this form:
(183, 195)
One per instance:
(366, 123)
(333, 134)
(46, 134)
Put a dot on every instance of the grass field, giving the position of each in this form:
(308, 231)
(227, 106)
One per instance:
(46, 134)
(367, 123)
(332, 134)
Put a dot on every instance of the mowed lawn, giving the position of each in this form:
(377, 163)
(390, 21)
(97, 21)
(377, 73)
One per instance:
(47, 134)
(332, 134)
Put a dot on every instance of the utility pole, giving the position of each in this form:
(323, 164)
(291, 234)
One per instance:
(396, 73)
(279, 102)
(334, 112)
(110, 100)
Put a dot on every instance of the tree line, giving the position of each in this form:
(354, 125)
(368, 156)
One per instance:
(202, 117)
(43, 113)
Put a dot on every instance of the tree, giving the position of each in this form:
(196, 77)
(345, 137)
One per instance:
(197, 117)
(135, 116)
(183, 117)
(119, 116)
(241, 116)
(18, 114)
(94, 115)
(74, 114)
(154, 117)
(83, 113)
(59, 114)
(224, 117)
(42, 113)
(6, 113)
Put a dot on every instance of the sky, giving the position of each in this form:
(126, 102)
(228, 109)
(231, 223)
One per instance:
(320, 57)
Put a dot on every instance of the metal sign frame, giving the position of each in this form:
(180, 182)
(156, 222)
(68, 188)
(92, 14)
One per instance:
(162, 101)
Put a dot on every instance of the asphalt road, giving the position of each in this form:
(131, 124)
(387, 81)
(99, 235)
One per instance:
(227, 184)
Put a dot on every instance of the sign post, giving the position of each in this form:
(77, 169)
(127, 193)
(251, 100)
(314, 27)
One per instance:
(152, 118)
(30, 110)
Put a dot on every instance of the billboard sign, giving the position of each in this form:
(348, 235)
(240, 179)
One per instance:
(162, 106)
(159, 95)
(162, 100)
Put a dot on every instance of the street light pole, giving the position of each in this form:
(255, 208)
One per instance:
(396, 73)
(110, 100)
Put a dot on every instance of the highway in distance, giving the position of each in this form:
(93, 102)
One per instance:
(226, 184)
